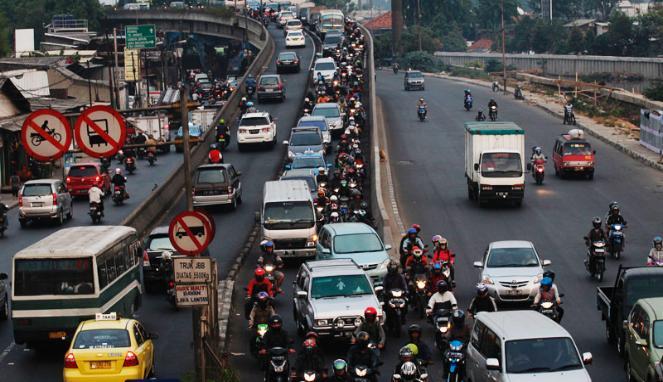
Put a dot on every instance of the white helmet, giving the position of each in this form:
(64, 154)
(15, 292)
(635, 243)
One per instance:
(333, 198)
(118, 171)
(243, 98)
(408, 368)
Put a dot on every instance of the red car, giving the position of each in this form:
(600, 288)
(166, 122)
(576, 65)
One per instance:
(82, 176)
(572, 154)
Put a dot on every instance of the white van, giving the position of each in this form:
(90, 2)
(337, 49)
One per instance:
(288, 218)
(523, 345)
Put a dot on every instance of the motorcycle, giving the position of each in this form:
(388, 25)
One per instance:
(616, 240)
(362, 373)
(141, 152)
(595, 262)
(549, 309)
(4, 222)
(257, 341)
(307, 376)
(518, 93)
(468, 104)
(395, 312)
(420, 294)
(455, 361)
(130, 165)
(395, 69)
(442, 322)
(151, 157)
(95, 213)
(105, 164)
(492, 113)
(118, 195)
(480, 116)
(421, 112)
(654, 263)
(277, 365)
(538, 170)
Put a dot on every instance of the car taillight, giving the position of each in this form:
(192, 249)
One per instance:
(70, 361)
(97, 178)
(146, 259)
(518, 186)
(296, 62)
(68, 179)
(171, 285)
(55, 199)
(20, 201)
(130, 359)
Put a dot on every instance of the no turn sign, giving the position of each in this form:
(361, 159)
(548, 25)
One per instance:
(46, 135)
(190, 233)
(100, 131)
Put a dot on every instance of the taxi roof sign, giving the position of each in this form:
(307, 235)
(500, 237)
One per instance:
(106, 316)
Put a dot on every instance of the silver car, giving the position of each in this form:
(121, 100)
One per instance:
(305, 140)
(332, 113)
(44, 199)
(512, 270)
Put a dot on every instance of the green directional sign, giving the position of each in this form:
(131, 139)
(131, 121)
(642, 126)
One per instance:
(140, 36)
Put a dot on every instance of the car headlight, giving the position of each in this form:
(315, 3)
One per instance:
(385, 263)
(487, 280)
(358, 321)
(291, 154)
(339, 323)
(312, 240)
(537, 279)
(321, 322)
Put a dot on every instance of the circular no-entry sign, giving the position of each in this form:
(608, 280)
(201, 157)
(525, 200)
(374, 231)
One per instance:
(46, 135)
(190, 233)
(100, 131)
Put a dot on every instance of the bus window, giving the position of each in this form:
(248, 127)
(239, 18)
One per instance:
(35, 277)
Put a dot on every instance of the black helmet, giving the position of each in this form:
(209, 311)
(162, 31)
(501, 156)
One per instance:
(596, 222)
(275, 322)
(362, 339)
(549, 273)
(363, 205)
(458, 318)
(414, 328)
(392, 267)
(442, 286)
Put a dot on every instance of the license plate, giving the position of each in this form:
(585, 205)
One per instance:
(37, 204)
(100, 365)
(513, 292)
(254, 131)
(579, 168)
(269, 90)
(502, 194)
(57, 335)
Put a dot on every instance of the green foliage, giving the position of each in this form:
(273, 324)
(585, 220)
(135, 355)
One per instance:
(655, 91)
(492, 65)
(430, 42)
(421, 61)
(4, 36)
(454, 41)
(488, 13)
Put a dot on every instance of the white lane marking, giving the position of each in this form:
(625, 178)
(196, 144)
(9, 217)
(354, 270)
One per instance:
(7, 350)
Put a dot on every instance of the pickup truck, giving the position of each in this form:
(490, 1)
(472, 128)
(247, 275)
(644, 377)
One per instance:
(615, 302)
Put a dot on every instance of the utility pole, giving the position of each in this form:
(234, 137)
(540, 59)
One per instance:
(503, 48)
(419, 23)
(89, 85)
(116, 71)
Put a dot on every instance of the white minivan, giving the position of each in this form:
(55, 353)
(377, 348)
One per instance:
(523, 346)
(288, 218)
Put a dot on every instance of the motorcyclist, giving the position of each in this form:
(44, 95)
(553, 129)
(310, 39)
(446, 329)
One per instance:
(308, 104)
(422, 103)
(322, 176)
(259, 283)
(568, 109)
(424, 355)
(250, 82)
(492, 103)
(482, 302)
(221, 129)
(614, 217)
(262, 310)
(96, 196)
(595, 234)
(151, 145)
(537, 154)
(442, 253)
(319, 78)
(250, 108)
(276, 336)
(270, 257)
(416, 263)
(340, 368)
(442, 296)
(655, 255)
(480, 116)
(119, 180)
(408, 241)
(459, 331)
(372, 326)
(309, 359)
(408, 364)
(548, 293)
(214, 155)
(242, 105)
(361, 354)
(395, 67)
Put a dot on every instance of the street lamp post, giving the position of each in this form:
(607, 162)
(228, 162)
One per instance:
(503, 48)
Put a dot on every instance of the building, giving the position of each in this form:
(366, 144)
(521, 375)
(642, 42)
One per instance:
(380, 24)
(482, 45)
(633, 9)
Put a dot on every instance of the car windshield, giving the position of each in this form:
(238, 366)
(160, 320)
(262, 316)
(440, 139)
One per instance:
(288, 215)
(82, 171)
(332, 39)
(37, 189)
(269, 81)
(305, 139)
(322, 125)
(254, 121)
(307, 162)
(287, 56)
(499, 165)
(643, 286)
(356, 243)
(34, 277)
(327, 112)
(340, 286)
(577, 148)
(102, 339)
(512, 257)
(161, 243)
(324, 66)
(211, 175)
(541, 355)
(415, 75)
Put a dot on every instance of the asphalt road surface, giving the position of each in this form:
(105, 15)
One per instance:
(173, 348)
(427, 160)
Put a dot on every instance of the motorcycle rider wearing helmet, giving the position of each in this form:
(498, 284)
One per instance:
(459, 331)
(340, 372)
(443, 296)
(408, 364)
(276, 336)
(322, 200)
(119, 180)
(214, 155)
(310, 359)
(361, 354)
(424, 355)
(408, 241)
(308, 104)
(482, 302)
(250, 82)
(322, 176)
(422, 104)
(442, 253)
(393, 279)
(492, 103)
(416, 263)
(595, 234)
(257, 284)
(537, 155)
(614, 217)
(269, 257)
(95, 195)
(242, 105)
(262, 310)
(655, 255)
(372, 326)
(222, 130)
(548, 293)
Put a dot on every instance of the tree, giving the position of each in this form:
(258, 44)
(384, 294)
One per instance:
(576, 43)
(454, 41)
(488, 13)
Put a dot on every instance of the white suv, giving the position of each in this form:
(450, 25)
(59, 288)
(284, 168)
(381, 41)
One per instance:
(257, 127)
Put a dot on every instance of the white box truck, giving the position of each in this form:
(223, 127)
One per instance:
(495, 162)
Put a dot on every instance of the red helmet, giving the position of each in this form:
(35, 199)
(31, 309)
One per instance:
(309, 344)
(311, 335)
(259, 272)
(417, 227)
(370, 311)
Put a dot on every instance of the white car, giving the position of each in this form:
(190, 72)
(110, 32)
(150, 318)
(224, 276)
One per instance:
(325, 66)
(293, 25)
(254, 128)
(295, 39)
(284, 16)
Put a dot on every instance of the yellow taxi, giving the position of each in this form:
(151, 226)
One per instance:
(109, 349)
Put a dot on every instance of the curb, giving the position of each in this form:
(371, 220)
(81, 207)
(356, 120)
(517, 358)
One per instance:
(590, 130)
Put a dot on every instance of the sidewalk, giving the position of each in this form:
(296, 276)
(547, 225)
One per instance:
(9, 200)
(609, 135)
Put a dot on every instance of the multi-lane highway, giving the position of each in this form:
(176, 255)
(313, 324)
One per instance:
(174, 355)
(427, 162)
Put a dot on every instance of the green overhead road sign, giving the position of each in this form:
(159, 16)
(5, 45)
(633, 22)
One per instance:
(140, 36)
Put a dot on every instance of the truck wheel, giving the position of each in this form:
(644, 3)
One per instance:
(470, 195)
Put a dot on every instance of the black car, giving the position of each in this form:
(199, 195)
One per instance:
(157, 260)
(287, 62)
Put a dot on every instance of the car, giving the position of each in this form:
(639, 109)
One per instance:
(44, 199)
(295, 39)
(413, 79)
(356, 241)
(304, 140)
(217, 184)
(573, 155)
(326, 66)
(312, 161)
(306, 175)
(643, 345)
(4, 297)
(195, 135)
(330, 297)
(109, 348)
(331, 41)
(316, 121)
(158, 247)
(518, 345)
(284, 17)
(293, 25)
(254, 128)
(512, 270)
(332, 113)
(287, 61)
(271, 86)
(82, 176)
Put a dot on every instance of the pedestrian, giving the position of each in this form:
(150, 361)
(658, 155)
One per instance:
(15, 183)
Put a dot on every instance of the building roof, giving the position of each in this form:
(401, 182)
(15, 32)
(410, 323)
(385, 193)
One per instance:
(482, 44)
(29, 62)
(579, 23)
(381, 22)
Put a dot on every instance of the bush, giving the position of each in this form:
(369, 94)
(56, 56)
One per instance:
(655, 91)
(492, 65)
(423, 61)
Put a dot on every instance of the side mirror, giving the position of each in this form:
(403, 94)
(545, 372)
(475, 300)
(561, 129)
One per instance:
(529, 167)
(477, 264)
(493, 364)
(587, 358)
(3, 276)
(476, 167)
(325, 251)
(302, 294)
(387, 247)
(257, 217)
(640, 342)
(546, 263)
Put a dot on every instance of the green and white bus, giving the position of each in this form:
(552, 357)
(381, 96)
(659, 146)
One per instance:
(70, 276)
